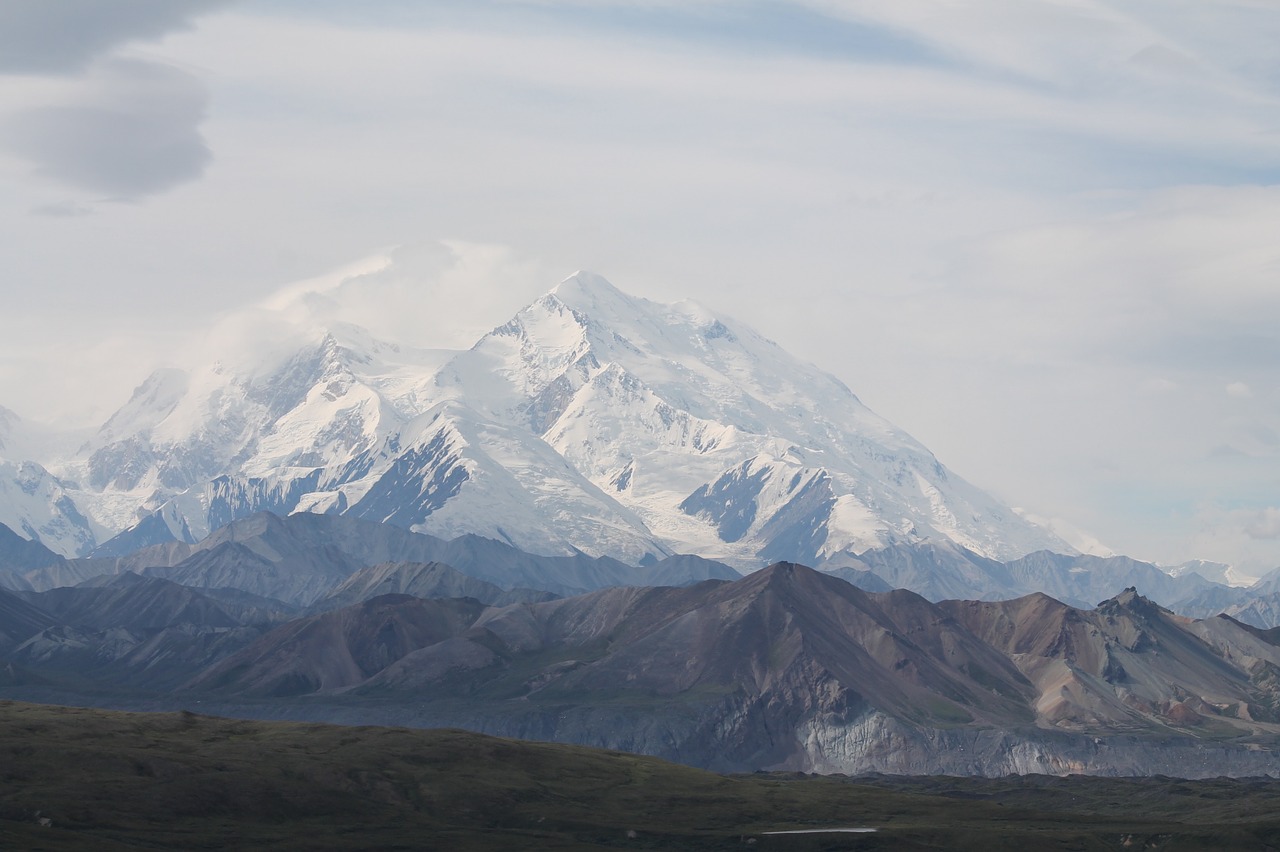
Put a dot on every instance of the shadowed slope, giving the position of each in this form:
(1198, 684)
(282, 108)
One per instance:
(133, 602)
(20, 619)
(338, 649)
(422, 580)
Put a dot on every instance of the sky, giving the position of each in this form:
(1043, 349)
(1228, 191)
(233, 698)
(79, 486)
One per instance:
(1039, 235)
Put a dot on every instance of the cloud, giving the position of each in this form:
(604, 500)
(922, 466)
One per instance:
(1177, 280)
(1239, 390)
(1159, 386)
(431, 294)
(426, 295)
(61, 210)
(1015, 253)
(1263, 434)
(1248, 537)
(1085, 45)
(1265, 524)
(128, 128)
(61, 36)
(132, 131)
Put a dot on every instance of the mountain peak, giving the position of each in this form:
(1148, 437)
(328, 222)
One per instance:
(788, 575)
(591, 410)
(585, 281)
(1131, 601)
(592, 294)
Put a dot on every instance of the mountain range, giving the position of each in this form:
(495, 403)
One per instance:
(787, 668)
(300, 559)
(305, 559)
(545, 535)
(592, 422)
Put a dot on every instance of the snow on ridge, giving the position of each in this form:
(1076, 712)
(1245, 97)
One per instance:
(1217, 572)
(35, 505)
(586, 422)
(698, 367)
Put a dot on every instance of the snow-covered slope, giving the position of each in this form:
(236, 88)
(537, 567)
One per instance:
(591, 421)
(1217, 572)
(464, 473)
(720, 441)
(33, 502)
(297, 430)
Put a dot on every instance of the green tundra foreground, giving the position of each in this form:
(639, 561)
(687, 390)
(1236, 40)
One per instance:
(90, 779)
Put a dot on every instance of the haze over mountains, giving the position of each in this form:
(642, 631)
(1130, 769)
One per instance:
(330, 617)
(593, 421)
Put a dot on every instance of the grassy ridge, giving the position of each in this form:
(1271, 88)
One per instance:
(111, 780)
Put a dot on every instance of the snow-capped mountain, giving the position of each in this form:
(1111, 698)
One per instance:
(591, 421)
(1218, 572)
(721, 442)
(34, 502)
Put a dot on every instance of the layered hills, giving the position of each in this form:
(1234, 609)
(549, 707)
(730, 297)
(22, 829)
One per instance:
(301, 558)
(787, 668)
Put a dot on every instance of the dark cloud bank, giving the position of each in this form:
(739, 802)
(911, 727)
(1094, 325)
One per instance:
(131, 128)
(61, 36)
(134, 133)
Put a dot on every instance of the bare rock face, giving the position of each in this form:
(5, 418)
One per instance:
(1128, 664)
(882, 744)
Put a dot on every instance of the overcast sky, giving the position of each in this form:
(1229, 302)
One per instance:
(1043, 236)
